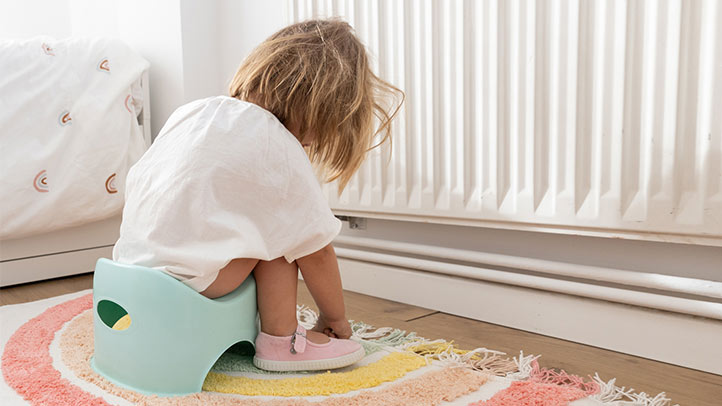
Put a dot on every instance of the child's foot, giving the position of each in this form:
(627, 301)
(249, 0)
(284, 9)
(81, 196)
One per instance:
(316, 337)
(298, 352)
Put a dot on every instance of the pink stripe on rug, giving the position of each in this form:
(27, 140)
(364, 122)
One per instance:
(528, 393)
(545, 387)
(27, 366)
(562, 378)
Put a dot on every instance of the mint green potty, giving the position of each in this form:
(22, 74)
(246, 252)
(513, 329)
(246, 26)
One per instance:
(175, 335)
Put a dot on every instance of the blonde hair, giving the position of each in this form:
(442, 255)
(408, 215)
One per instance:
(315, 75)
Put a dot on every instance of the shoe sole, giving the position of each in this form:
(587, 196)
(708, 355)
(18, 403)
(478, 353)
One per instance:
(310, 365)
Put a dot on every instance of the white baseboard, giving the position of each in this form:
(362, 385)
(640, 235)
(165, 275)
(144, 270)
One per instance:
(688, 341)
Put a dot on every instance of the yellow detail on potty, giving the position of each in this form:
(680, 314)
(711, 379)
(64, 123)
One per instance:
(122, 323)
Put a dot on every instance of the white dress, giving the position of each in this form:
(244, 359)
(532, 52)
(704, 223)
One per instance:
(224, 179)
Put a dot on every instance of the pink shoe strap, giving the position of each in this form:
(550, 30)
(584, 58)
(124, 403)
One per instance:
(298, 340)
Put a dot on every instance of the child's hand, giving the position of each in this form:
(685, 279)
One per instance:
(333, 328)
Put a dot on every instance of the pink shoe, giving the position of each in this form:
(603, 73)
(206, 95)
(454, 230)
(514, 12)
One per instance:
(295, 353)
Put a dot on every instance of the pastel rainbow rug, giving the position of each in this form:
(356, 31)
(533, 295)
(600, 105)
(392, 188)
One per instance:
(46, 346)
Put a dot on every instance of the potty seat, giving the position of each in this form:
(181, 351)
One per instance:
(167, 336)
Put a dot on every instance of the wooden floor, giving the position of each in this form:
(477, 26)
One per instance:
(684, 386)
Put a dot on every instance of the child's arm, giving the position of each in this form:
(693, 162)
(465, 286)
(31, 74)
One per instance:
(321, 274)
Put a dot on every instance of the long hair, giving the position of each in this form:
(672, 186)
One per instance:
(315, 76)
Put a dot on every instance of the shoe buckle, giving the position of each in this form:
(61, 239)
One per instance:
(293, 341)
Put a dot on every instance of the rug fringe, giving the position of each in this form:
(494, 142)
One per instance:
(306, 316)
(384, 335)
(389, 336)
(609, 393)
(562, 378)
(489, 361)
(479, 359)
(523, 366)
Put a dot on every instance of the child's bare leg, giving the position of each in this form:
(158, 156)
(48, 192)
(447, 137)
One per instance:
(277, 287)
(321, 274)
(230, 277)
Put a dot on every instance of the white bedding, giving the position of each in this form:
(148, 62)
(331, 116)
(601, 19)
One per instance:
(68, 131)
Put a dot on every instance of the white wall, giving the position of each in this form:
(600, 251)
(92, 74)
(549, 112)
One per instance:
(194, 46)
(22, 19)
(243, 25)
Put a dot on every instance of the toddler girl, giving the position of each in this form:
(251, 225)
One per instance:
(227, 188)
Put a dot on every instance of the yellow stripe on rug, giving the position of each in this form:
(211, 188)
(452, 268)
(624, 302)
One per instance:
(387, 369)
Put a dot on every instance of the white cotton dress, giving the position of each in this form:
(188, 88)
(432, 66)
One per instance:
(224, 179)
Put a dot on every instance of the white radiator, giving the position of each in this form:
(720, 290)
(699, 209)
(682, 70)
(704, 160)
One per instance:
(585, 117)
